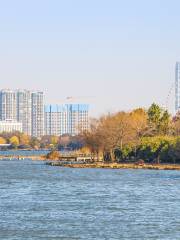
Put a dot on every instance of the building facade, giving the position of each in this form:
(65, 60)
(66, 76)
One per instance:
(177, 87)
(37, 99)
(8, 100)
(24, 110)
(10, 126)
(69, 119)
(25, 107)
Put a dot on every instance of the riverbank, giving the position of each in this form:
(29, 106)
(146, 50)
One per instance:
(116, 165)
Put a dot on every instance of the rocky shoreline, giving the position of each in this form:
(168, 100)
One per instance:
(116, 165)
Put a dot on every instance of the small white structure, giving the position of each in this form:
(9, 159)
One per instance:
(10, 126)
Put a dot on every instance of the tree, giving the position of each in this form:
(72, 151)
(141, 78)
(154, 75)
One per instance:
(92, 138)
(164, 124)
(110, 133)
(139, 121)
(54, 140)
(64, 141)
(48, 141)
(34, 143)
(154, 116)
(14, 141)
(2, 140)
(155, 148)
(24, 139)
(174, 150)
(159, 120)
(176, 124)
(53, 155)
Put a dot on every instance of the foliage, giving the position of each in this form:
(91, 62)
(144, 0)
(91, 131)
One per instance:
(176, 124)
(159, 120)
(139, 134)
(2, 140)
(34, 143)
(14, 140)
(53, 155)
(24, 139)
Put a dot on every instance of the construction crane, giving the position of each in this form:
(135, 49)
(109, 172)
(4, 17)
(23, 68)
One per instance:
(79, 98)
(74, 98)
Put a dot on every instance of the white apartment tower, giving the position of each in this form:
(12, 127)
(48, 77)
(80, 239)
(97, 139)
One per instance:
(8, 111)
(23, 106)
(177, 87)
(37, 114)
(70, 119)
(24, 110)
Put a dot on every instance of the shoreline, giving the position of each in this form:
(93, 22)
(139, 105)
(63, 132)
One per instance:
(116, 165)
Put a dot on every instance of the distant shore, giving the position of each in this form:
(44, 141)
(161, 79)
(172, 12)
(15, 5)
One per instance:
(116, 165)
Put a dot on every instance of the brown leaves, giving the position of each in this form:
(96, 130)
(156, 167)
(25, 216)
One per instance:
(116, 130)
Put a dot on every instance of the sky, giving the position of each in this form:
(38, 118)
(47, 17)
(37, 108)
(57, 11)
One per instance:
(114, 54)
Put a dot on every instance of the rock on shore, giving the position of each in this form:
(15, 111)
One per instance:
(116, 165)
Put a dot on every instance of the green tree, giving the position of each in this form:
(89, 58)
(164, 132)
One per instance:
(164, 124)
(159, 120)
(174, 150)
(154, 116)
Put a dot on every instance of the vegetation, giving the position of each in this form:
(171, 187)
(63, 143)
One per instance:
(2, 140)
(53, 155)
(150, 135)
(14, 140)
(20, 140)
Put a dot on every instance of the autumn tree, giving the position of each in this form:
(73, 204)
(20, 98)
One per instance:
(14, 141)
(24, 139)
(54, 140)
(111, 132)
(139, 120)
(46, 141)
(2, 140)
(34, 143)
(93, 137)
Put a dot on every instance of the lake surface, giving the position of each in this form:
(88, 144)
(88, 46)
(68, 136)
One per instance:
(24, 152)
(43, 202)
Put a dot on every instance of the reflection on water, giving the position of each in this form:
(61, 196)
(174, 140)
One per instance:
(42, 202)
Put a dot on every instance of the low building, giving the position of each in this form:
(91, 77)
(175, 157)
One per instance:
(10, 126)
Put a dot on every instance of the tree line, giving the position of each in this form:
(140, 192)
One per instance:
(19, 140)
(151, 135)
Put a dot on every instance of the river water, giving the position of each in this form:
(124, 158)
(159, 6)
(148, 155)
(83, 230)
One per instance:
(43, 202)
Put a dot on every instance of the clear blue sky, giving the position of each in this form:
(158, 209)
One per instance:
(120, 52)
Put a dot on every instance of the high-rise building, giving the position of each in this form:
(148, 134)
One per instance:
(66, 119)
(177, 87)
(24, 110)
(8, 105)
(23, 106)
(37, 114)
